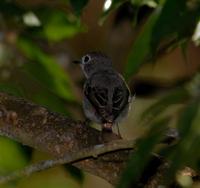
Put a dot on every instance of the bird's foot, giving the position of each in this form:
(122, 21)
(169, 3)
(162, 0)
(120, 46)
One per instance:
(107, 134)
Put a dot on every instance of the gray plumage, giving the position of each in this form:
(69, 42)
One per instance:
(106, 95)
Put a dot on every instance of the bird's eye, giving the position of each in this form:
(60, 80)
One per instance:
(86, 59)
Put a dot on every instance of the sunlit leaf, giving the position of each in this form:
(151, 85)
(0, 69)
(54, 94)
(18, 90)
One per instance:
(44, 68)
(141, 47)
(11, 157)
(196, 35)
(31, 20)
(107, 9)
(176, 96)
(142, 155)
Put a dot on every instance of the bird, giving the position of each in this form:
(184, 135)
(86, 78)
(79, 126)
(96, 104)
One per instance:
(106, 95)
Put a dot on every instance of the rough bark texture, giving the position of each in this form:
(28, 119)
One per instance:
(57, 135)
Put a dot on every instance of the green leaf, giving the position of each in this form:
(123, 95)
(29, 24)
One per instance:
(151, 3)
(114, 5)
(52, 178)
(185, 152)
(117, 3)
(141, 47)
(196, 36)
(176, 22)
(142, 155)
(12, 89)
(75, 172)
(170, 24)
(176, 96)
(184, 46)
(59, 27)
(50, 101)
(45, 69)
(12, 157)
(78, 6)
(187, 117)
(32, 89)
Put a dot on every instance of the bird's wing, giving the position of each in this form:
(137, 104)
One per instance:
(120, 99)
(98, 97)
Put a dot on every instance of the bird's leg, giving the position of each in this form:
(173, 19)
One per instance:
(107, 134)
(118, 130)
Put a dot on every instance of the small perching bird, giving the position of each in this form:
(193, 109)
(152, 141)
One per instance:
(106, 95)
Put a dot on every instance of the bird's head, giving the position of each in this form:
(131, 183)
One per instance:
(94, 62)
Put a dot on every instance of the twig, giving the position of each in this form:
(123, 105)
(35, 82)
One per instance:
(70, 158)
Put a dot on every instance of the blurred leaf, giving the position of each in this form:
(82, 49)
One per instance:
(51, 178)
(50, 101)
(184, 46)
(31, 20)
(38, 92)
(78, 5)
(114, 5)
(11, 9)
(11, 156)
(59, 27)
(12, 89)
(8, 185)
(117, 3)
(194, 85)
(187, 117)
(75, 172)
(151, 3)
(46, 70)
(142, 155)
(196, 35)
(176, 96)
(195, 142)
(185, 152)
(141, 47)
(167, 26)
(176, 22)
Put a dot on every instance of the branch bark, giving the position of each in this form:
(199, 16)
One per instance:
(58, 135)
(92, 152)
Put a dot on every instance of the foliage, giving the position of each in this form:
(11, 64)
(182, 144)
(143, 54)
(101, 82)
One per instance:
(28, 33)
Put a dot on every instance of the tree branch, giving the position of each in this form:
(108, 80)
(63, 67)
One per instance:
(58, 135)
(70, 158)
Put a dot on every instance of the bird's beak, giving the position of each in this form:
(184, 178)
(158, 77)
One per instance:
(77, 62)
